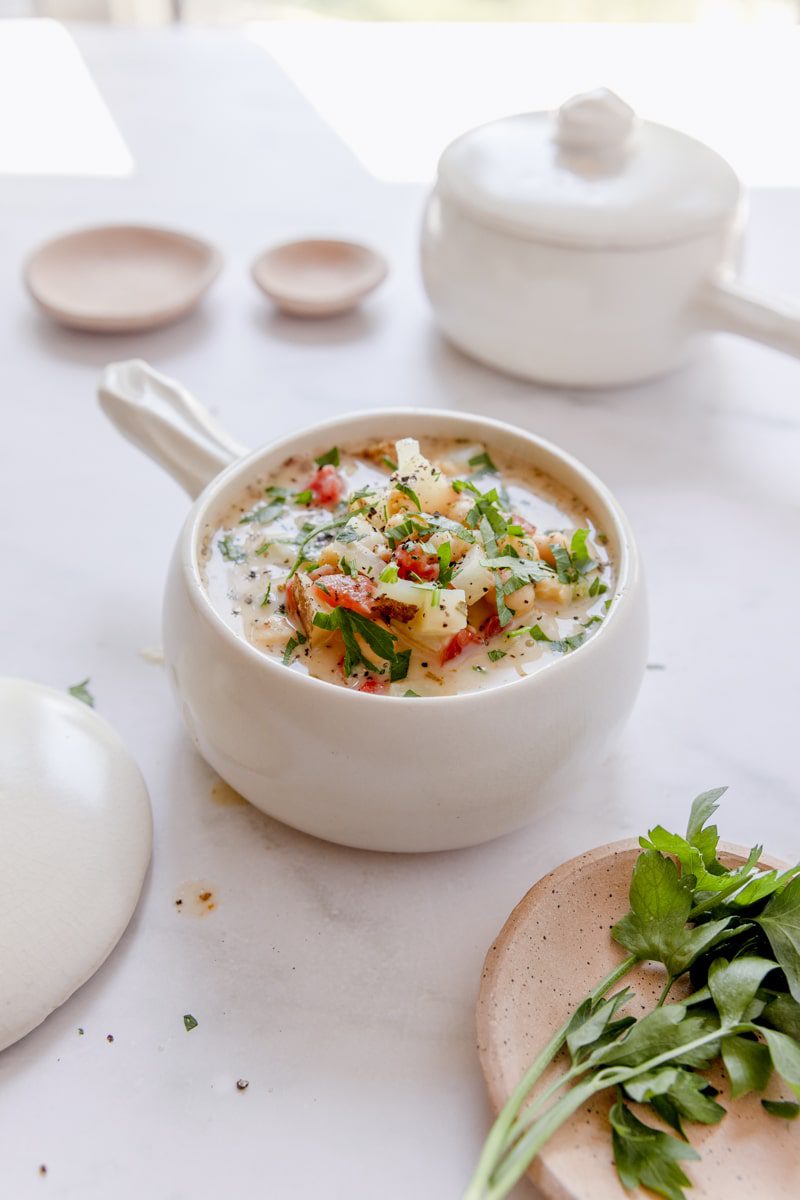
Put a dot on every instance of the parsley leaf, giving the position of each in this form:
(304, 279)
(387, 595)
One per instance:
(780, 921)
(398, 667)
(263, 515)
(496, 655)
(444, 553)
(782, 1108)
(298, 639)
(410, 493)
(747, 1063)
(189, 1022)
(648, 1157)
(80, 691)
(482, 463)
(230, 551)
(330, 459)
(353, 625)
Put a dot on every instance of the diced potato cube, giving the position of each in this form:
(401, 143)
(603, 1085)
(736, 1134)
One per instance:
(473, 579)
(444, 614)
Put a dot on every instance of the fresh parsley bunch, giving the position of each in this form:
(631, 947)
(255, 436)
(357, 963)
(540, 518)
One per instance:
(736, 934)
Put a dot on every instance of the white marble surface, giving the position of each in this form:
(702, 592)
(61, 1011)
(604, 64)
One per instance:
(340, 984)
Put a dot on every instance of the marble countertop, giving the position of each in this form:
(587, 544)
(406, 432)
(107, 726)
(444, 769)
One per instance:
(340, 984)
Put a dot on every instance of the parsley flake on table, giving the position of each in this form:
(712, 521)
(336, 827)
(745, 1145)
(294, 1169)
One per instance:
(80, 691)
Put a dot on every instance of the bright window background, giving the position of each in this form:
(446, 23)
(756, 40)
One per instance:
(214, 12)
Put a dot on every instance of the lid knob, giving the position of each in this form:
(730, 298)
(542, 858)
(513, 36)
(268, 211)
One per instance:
(597, 120)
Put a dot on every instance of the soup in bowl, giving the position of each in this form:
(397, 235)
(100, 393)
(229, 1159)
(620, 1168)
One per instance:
(343, 668)
(409, 569)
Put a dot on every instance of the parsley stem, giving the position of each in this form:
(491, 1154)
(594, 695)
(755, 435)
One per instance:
(523, 1154)
(665, 990)
(514, 1165)
(502, 1130)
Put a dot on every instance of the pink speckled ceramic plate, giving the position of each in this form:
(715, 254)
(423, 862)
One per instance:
(121, 278)
(552, 949)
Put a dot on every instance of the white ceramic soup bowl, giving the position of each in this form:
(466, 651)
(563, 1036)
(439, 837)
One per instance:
(378, 772)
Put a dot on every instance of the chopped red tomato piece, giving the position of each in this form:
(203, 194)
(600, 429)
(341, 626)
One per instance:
(491, 627)
(415, 560)
(458, 642)
(327, 486)
(373, 685)
(346, 591)
(319, 572)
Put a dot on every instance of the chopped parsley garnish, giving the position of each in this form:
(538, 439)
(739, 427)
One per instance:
(309, 537)
(264, 514)
(406, 529)
(565, 571)
(560, 645)
(304, 498)
(349, 534)
(388, 462)
(298, 639)
(444, 524)
(345, 565)
(410, 493)
(331, 459)
(80, 691)
(353, 625)
(230, 551)
(483, 463)
(445, 554)
(189, 1022)
(263, 548)
(598, 587)
(581, 558)
(398, 668)
(265, 601)
(410, 692)
(496, 655)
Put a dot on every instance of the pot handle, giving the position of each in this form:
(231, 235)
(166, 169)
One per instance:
(167, 422)
(727, 306)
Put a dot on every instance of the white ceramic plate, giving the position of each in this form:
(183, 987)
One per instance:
(121, 278)
(75, 845)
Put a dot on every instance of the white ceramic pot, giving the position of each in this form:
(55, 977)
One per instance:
(380, 772)
(587, 248)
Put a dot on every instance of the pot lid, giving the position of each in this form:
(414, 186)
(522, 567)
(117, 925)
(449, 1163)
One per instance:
(590, 174)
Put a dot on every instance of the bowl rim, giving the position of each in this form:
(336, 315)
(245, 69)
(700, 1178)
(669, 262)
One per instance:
(627, 563)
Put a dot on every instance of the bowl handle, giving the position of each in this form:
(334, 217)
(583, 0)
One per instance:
(167, 422)
(727, 306)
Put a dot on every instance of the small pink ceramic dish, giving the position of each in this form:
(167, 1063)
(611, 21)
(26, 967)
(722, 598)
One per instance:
(318, 278)
(551, 951)
(121, 278)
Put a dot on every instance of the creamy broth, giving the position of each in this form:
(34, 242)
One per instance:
(409, 569)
